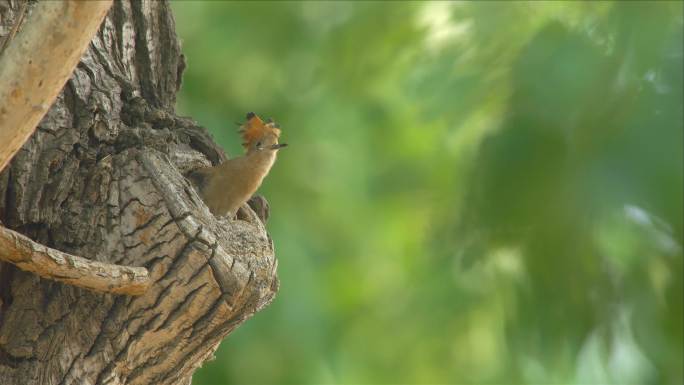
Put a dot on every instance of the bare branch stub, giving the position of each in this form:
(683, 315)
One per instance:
(53, 264)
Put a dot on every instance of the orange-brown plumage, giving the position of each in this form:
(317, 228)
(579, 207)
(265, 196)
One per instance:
(229, 185)
(255, 128)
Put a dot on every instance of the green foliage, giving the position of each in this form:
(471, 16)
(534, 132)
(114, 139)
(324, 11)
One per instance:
(474, 192)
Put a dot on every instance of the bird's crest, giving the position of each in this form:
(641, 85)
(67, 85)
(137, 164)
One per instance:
(255, 128)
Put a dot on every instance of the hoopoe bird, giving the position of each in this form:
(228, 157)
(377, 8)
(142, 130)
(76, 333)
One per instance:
(226, 187)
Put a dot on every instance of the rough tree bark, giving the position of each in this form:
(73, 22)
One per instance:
(102, 178)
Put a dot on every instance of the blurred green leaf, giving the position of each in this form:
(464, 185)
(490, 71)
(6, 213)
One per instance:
(474, 192)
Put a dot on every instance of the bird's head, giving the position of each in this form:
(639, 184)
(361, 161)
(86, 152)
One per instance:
(260, 136)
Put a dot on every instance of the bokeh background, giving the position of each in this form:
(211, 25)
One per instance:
(474, 192)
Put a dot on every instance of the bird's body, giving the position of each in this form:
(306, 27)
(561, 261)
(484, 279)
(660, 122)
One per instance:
(226, 187)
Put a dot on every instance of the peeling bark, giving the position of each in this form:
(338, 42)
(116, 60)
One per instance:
(102, 178)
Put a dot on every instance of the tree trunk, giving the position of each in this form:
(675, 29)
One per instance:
(102, 178)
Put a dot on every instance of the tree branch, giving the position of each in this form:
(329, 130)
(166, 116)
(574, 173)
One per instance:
(53, 264)
(37, 63)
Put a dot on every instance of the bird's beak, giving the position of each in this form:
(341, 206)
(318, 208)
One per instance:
(278, 146)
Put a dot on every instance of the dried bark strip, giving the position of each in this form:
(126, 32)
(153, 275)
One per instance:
(70, 269)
